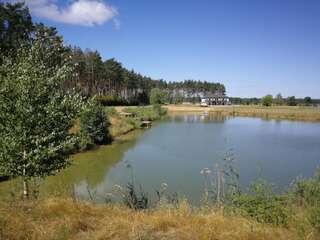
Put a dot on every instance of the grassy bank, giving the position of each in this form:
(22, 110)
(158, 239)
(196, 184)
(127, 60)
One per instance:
(121, 125)
(262, 214)
(274, 112)
(67, 219)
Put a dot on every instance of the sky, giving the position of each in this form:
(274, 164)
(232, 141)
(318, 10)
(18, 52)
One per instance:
(253, 47)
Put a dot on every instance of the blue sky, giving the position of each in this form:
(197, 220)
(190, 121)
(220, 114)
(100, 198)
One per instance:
(254, 47)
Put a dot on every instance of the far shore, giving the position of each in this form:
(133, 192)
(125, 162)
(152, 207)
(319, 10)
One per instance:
(302, 113)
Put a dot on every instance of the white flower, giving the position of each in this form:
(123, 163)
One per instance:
(205, 171)
(164, 186)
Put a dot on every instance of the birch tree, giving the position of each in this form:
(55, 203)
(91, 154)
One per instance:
(35, 115)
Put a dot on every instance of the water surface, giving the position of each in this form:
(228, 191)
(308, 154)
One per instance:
(176, 149)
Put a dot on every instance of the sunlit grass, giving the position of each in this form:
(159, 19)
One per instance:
(68, 219)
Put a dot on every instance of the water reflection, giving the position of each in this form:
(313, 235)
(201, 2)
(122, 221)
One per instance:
(203, 117)
(175, 150)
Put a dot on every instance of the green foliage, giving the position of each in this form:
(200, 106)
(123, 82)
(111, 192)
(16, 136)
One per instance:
(111, 101)
(147, 113)
(307, 191)
(111, 111)
(314, 218)
(263, 205)
(307, 101)
(158, 96)
(267, 100)
(177, 99)
(94, 124)
(35, 115)
(291, 101)
(278, 99)
(160, 110)
(15, 28)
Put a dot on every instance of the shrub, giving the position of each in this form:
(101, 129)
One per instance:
(307, 192)
(111, 101)
(160, 110)
(94, 125)
(307, 101)
(157, 96)
(291, 101)
(314, 218)
(147, 113)
(267, 100)
(263, 205)
(177, 99)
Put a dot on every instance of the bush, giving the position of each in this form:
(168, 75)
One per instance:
(307, 192)
(291, 101)
(177, 99)
(147, 113)
(141, 99)
(263, 205)
(314, 218)
(160, 110)
(267, 100)
(111, 101)
(157, 96)
(307, 101)
(94, 125)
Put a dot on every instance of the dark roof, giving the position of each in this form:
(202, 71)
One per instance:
(215, 96)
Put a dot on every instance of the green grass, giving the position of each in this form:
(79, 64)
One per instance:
(121, 125)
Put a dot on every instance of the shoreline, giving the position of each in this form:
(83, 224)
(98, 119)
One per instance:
(309, 114)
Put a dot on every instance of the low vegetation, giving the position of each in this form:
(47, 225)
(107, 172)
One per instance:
(274, 112)
(68, 219)
(121, 124)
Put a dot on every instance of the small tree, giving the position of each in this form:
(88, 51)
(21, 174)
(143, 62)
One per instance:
(278, 99)
(94, 124)
(158, 97)
(307, 101)
(291, 101)
(35, 115)
(267, 100)
(177, 98)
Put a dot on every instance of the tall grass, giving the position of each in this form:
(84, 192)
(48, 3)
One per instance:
(67, 219)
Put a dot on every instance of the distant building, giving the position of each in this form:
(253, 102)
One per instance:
(215, 99)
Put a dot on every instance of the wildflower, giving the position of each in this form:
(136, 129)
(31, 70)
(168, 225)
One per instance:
(205, 171)
(164, 186)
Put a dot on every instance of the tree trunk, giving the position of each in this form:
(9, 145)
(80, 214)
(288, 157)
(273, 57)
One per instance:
(25, 188)
(25, 180)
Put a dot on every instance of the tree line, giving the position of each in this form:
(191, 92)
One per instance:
(276, 100)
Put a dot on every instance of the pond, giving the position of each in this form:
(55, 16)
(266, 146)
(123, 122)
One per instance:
(177, 148)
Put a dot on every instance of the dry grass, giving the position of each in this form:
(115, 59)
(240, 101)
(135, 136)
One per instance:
(275, 112)
(66, 219)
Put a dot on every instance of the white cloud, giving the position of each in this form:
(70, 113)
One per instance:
(78, 12)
